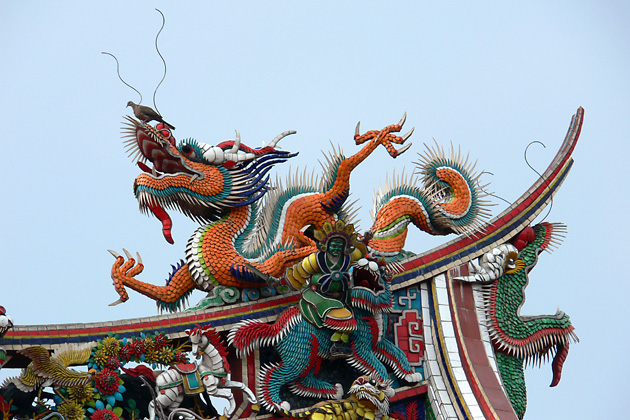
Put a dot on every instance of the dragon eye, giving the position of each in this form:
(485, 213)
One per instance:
(192, 150)
(372, 382)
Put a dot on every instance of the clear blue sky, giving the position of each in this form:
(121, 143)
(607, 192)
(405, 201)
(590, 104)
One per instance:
(488, 76)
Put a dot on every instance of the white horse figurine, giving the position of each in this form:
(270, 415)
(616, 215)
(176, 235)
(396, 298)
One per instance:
(211, 375)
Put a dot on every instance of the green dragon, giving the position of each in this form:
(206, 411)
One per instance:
(519, 340)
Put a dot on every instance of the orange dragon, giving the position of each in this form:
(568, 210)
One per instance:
(251, 232)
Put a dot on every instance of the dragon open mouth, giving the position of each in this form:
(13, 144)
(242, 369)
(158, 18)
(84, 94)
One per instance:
(370, 291)
(367, 277)
(157, 146)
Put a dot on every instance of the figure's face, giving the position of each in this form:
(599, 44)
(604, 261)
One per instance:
(336, 247)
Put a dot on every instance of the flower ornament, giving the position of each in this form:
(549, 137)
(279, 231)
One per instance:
(99, 357)
(126, 352)
(160, 341)
(165, 355)
(82, 394)
(181, 357)
(71, 410)
(107, 381)
(138, 348)
(104, 414)
(111, 346)
(112, 363)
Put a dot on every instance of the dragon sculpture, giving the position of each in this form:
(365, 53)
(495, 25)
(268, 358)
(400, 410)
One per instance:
(369, 400)
(302, 344)
(444, 326)
(244, 240)
(519, 340)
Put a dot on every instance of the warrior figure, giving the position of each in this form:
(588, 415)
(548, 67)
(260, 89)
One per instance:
(325, 280)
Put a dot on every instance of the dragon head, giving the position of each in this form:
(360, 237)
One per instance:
(199, 180)
(372, 391)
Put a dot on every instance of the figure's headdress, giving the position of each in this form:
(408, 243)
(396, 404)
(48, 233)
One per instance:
(337, 230)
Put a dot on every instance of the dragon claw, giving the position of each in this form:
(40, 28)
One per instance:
(338, 391)
(123, 272)
(385, 137)
(118, 302)
(237, 143)
(114, 253)
(402, 149)
(413, 377)
(402, 120)
(404, 137)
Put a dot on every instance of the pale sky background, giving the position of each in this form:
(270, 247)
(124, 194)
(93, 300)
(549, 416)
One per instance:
(488, 76)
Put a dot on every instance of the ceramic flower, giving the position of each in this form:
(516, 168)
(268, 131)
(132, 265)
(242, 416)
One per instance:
(111, 346)
(107, 381)
(104, 414)
(71, 410)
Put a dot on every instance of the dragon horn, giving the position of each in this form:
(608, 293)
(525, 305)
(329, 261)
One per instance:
(237, 143)
(280, 137)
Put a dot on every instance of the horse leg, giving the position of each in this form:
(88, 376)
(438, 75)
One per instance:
(251, 398)
(151, 410)
(225, 394)
(167, 399)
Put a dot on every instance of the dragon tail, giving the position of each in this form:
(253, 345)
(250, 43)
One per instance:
(450, 200)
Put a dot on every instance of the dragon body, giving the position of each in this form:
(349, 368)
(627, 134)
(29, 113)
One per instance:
(250, 231)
